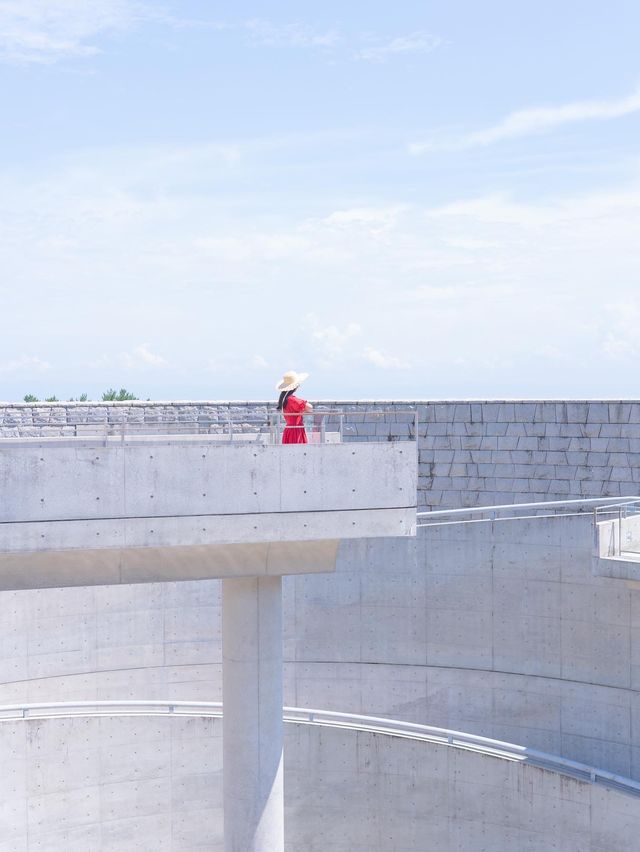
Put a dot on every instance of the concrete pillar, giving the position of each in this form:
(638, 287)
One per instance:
(252, 706)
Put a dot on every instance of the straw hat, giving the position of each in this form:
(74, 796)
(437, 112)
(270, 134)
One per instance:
(291, 380)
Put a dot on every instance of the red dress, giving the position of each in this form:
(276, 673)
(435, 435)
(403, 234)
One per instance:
(294, 432)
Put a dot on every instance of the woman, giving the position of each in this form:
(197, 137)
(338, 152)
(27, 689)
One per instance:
(293, 408)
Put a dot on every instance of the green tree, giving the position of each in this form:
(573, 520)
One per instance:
(122, 395)
(29, 397)
(53, 398)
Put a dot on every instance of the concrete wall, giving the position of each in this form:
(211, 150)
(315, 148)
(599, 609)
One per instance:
(180, 477)
(115, 784)
(471, 452)
(497, 629)
(78, 513)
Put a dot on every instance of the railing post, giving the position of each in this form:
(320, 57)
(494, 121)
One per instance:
(619, 531)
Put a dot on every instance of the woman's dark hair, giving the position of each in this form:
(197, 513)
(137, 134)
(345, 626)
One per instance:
(284, 396)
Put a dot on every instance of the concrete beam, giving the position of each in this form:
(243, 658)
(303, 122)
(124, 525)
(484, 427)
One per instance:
(111, 566)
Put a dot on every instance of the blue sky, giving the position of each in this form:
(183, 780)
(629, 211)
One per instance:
(405, 200)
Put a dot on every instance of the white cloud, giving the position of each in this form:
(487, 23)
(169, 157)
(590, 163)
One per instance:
(370, 48)
(621, 341)
(331, 340)
(269, 34)
(141, 356)
(419, 41)
(259, 362)
(536, 120)
(27, 363)
(384, 360)
(376, 219)
(45, 31)
(393, 283)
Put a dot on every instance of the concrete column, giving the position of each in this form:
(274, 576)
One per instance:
(252, 727)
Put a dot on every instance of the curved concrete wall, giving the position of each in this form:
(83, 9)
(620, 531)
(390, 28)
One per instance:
(497, 629)
(114, 784)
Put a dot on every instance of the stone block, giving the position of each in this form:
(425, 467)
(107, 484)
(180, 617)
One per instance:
(544, 471)
(503, 470)
(597, 459)
(538, 430)
(582, 444)
(557, 444)
(462, 412)
(474, 428)
(506, 412)
(490, 412)
(617, 445)
(610, 430)
(527, 443)
(438, 429)
(524, 412)
(598, 412)
(458, 470)
(577, 412)
(630, 430)
(619, 412)
(621, 474)
(504, 485)
(443, 456)
(473, 442)
(508, 442)
(444, 412)
(496, 429)
(547, 412)
(441, 469)
(516, 429)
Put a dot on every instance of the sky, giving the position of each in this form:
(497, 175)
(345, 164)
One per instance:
(407, 200)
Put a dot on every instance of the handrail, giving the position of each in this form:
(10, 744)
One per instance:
(580, 506)
(589, 501)
(228, 425)
(329, 718)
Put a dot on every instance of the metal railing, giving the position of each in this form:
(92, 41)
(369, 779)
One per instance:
(617, 530)
(323, 425)
(596, 506)
(330, 719)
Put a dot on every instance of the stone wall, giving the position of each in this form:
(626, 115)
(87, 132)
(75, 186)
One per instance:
(470, 453)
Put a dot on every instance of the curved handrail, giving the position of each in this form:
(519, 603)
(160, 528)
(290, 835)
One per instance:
(329, 718)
